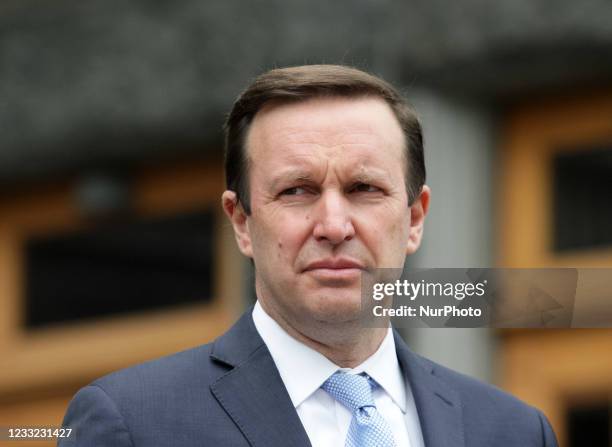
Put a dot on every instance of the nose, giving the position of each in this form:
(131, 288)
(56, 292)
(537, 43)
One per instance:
(333, 222)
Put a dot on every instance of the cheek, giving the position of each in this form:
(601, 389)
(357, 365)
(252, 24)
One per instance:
(280, 249)
(288, 244)
(285, 237)
(398, 218)
(387, 230)
(401, 227)
(388, 221)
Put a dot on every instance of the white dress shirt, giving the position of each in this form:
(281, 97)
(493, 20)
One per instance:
(326, 421)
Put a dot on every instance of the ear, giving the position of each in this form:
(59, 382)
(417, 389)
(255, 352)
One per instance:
(418, 211)
(238, 218)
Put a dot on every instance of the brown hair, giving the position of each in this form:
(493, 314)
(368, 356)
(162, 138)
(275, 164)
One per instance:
(305, 82)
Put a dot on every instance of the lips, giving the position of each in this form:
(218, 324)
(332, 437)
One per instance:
(334, 264)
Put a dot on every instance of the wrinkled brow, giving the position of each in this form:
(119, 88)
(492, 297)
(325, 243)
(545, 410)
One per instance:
(291, 175)
(368, 175)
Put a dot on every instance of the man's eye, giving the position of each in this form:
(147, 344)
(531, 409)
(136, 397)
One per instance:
(364, 187)
(295, 191)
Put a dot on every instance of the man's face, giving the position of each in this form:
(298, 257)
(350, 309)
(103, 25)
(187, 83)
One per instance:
(328, 201)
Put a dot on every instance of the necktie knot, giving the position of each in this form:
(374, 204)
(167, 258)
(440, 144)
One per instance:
(351, 390)
(368, 428)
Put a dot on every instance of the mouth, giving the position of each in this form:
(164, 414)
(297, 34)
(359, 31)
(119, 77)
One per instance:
(340, 269)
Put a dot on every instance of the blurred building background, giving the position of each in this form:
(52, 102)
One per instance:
(113, 247)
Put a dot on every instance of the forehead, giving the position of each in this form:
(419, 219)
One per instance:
(362, 127)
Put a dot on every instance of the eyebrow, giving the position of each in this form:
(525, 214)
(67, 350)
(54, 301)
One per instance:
(293, 175)
(371, 175)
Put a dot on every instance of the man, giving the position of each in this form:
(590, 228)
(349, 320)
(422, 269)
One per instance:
(325, 178)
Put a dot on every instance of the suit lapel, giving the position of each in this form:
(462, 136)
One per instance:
(253, 393)
(438, 405)
(255, 398)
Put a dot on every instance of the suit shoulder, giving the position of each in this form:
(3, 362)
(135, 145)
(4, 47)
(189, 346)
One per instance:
(151, 403)
(493, 416)
(170, 373)
(475, 392)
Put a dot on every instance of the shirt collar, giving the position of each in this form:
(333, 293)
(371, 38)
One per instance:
(303, 370)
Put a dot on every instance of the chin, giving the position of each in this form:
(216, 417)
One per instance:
(336, 307)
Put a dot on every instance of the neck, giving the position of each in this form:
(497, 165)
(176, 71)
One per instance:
(345, 344)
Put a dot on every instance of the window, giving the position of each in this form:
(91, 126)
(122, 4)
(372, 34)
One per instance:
(120, 267)
(582, 199)
(590, 425)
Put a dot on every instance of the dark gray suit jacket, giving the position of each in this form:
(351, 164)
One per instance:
(229, 393)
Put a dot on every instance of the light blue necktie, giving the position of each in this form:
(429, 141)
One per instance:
(368, 428)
